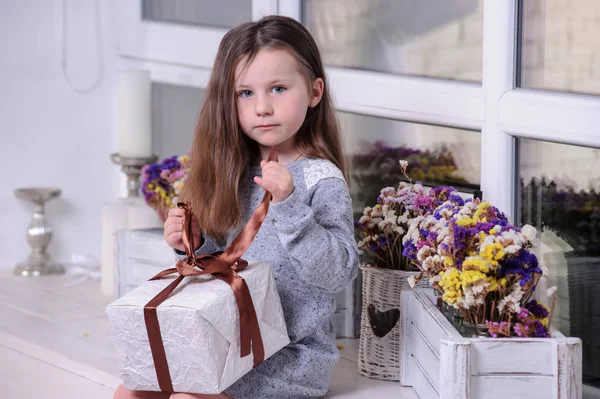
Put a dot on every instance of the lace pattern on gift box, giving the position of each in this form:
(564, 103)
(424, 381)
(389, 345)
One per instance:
(318, 169)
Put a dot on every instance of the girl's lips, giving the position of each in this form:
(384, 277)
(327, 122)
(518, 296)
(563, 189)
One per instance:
(265, 127)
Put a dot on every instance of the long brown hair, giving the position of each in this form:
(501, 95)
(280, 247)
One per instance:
(221, 152)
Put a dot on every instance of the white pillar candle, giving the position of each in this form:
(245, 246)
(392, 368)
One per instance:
(135, 128)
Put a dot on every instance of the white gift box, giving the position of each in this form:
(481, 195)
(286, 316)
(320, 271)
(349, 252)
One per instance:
(200, 328)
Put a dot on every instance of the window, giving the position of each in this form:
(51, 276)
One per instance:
(560, 195)
(436, 155)
(559, 45)
(221, 14)
(426, 38)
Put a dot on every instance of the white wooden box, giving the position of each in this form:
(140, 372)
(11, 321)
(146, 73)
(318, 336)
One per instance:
(439, 363)
(141, 254)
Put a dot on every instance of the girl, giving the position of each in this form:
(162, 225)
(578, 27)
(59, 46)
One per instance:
(268, 88)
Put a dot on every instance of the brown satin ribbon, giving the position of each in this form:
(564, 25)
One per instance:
(222, 265)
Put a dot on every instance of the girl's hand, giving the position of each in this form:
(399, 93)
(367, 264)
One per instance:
(276, 179)
(174, 230)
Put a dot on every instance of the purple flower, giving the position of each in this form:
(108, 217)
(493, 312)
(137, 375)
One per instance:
(536, 309)
(457, 199)
(410, 251)
(540, 330)
(484, 226)
(423, 201)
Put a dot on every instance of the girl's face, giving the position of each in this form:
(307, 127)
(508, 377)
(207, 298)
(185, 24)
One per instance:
(273, 97)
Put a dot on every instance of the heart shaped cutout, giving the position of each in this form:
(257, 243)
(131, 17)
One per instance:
(382, 322)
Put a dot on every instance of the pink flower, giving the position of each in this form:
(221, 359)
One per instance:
(177, 175)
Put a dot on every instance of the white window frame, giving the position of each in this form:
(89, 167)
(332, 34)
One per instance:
(194, 46)
(495, 107)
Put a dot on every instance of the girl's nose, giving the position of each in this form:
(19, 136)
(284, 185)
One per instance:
(263, 106)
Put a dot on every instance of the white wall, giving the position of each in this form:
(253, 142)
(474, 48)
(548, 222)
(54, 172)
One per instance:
(51, 135)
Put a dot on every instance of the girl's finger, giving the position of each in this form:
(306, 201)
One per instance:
(174, 228)
(176, 212)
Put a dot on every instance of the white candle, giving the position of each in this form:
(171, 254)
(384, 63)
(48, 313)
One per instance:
(135, 128)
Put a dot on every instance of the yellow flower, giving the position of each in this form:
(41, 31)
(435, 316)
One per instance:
(476, 264)
(470, 277)
(492, 252)
(465, 222)
(450, 283)
(503, 281)
(448, 261)
(481, 210)
(493, 284)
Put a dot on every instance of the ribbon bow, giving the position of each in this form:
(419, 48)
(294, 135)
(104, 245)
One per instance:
(222, 265)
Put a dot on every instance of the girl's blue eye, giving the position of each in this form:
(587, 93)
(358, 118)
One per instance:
(246, 93)
(278, 89)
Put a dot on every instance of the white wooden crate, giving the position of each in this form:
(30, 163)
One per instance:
(439, 363)
(141, 254)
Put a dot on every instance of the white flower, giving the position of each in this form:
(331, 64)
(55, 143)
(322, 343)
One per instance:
(424, 252)
(551, 291)
(529, 232)
(435, 279)
(446, 213)
(432, 262)
(511, 302)
(412, 281)
(488, 240)
(512, 249)
(403, 164)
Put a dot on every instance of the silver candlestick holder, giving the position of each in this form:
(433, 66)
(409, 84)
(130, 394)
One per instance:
(132, 167)
(39, 234)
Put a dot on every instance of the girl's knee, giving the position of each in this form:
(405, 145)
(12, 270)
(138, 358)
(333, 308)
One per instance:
(123, 393)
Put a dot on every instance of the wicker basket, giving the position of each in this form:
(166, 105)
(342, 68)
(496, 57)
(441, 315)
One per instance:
(379, 344)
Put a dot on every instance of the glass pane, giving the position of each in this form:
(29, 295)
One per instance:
(174, 115)
(560, 195)
(559, 45)
(221, 14)
(442, 39)
(436, 155)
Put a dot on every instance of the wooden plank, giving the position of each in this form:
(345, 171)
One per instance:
(142, 270)
(455, 369)
(149, 244)
(421, 382)
(406, 297)
(514, 356)
(568, 369)
(426, 356)
(511, 386)
(428, 319)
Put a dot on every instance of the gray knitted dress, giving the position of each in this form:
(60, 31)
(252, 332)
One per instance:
(309, 240)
